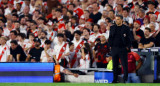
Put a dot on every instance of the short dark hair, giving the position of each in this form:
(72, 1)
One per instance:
(120, 16)
(15, 32)
(87, 30)
(147, 28)
(112, 11)
(73, 5)
(109, 19)
(70, 11)
(44, 32)
(70, 43)
(97, 25)
(14, 42)
(22, 35)
(77, 32)
(126, 9)
(47, 42)
(34, 22)
(59, 10)
(60, 35)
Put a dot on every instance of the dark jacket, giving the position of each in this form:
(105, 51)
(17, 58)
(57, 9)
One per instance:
(125, 35)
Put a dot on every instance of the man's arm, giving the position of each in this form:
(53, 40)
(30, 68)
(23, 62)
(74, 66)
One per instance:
(140, 46)
(18, 57)
(28, 57)
(139, 64)
(149, 45)
(66, 71)
(137, 38)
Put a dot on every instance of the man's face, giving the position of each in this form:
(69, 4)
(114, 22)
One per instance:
(85, 32)
(136, 25)
(146, 33)
(13, 46)
(150, 6)
(77, 37)
(60, 39)
(43, 35)
(33, 26)
(95, 28)
(17, 25)
(102, 38)
(37, 44)
(2, 41)
(152, 27)
(125, 13)
(12, 36)
(47, 46)
(118, 20)
(71, 7)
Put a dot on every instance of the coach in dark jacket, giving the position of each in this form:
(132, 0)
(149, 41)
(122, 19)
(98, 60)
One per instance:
(120, 42)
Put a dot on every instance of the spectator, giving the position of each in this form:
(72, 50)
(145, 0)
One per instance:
(95, 15)
(61, 51)
(47, 53)
(147, 41)
(133, 67)
(35, 52)
(17, 52)
(4, 50)
(137, 34)
(102, 49)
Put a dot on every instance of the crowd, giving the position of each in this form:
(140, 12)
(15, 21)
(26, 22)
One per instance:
(74, 33)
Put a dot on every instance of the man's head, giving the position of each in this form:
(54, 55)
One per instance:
(14, 44)
(43, 35)
(147, 32)
(152, 27)
(47, 44)
(137, 24)
(77, 34)
(33, 25)
(125, 12)
(151, 5)
(104, 37)
(13, 35)
(3, 40)
(58, 12)
(119, 20)
(96, 28)
(21, 36)
(37, 42)
(60, 37)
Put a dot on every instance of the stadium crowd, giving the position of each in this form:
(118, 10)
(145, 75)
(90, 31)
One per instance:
(73, 33)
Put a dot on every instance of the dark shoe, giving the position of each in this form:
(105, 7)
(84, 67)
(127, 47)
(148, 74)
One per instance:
(115, 81)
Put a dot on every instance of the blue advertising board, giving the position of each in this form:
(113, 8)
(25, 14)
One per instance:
(26, 72)
(103, 77)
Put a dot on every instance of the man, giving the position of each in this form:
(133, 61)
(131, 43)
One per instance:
(147, 41)
(78, 44)
(47, 53)
(43, 38)
(17, 51)
(137, 34)
(95, 15)
(61, 51)
(4, 50)
(126, 17)
(120, 42)
(102, 50)
(12, 36)
(35, 53)
(133, 58)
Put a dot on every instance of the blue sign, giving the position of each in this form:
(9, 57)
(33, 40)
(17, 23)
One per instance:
(103, 77)
(26, 72)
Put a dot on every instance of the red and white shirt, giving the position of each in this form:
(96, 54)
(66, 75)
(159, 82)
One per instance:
(57, 50)
(4, 53)
(44, 56)
(84, 63)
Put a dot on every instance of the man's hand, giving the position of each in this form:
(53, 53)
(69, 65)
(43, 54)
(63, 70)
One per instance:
(75, 75)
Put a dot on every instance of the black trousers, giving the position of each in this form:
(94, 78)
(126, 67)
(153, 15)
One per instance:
(119, 53)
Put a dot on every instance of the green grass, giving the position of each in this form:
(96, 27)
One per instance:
(77, 84)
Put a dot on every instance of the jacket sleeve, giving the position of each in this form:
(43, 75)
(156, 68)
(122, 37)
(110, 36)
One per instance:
(129, 42)
(110, 37)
